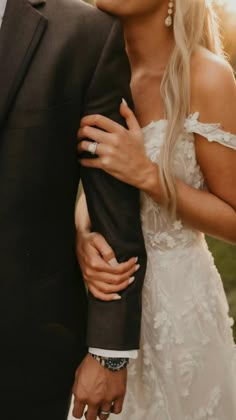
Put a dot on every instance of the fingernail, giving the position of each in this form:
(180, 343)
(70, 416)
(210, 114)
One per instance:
(116, 297)
(113, 262)
(136, 260)
(124, 101)
(131, 280)
(137, 267)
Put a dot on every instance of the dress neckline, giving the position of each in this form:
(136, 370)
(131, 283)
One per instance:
(212, 132)
(153, 123)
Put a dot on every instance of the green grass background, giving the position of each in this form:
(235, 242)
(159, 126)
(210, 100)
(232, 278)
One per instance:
(225, 259)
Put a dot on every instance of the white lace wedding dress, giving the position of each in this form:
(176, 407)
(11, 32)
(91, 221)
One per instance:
(186, 368)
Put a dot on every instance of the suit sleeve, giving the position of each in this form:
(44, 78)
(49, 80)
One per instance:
(114, 207)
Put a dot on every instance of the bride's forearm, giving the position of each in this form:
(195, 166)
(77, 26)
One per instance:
(82, 220)
(206, 212)
(198, 209)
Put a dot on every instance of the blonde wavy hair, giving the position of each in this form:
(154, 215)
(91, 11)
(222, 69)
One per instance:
(195, 23)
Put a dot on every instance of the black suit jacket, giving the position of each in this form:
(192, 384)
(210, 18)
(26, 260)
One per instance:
(59, 60)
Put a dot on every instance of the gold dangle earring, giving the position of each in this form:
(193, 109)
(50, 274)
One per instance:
(169, 19)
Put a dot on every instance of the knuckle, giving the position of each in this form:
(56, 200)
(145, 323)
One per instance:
(95, 236)
(122, 130)
(83, 134)
(107, 402)
(93, 264)
(86, 273)
(105, 161)
(116, 140)
(94, 402)
(97, 118)
(105, 289)
(105, 252)
(111, 152)
(117, 280)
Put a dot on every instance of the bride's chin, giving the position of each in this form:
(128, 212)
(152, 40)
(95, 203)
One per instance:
(110, 6)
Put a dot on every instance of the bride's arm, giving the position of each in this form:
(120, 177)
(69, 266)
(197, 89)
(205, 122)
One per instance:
(213, 211)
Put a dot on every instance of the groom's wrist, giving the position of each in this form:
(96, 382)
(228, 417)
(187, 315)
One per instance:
(111, 363)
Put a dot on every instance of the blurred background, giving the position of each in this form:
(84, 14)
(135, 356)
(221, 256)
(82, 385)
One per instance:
(225, 254)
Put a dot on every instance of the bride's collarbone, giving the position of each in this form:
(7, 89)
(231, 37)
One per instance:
(147, 98)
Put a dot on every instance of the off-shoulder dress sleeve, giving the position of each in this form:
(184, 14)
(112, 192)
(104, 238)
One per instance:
(212, 132)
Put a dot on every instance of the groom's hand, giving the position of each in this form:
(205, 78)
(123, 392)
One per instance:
(99, 389)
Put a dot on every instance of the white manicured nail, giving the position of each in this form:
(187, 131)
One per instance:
(131, 280)
(124, 101)
(136, 260)
(116, 297)
(137, 267)
(113, 262)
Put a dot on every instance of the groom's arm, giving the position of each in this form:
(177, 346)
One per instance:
(93, 250)
(114, 207)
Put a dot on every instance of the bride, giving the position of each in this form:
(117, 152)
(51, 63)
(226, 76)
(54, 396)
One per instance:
(183, 160)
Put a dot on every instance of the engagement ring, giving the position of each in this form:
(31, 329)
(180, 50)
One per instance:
(92, 148)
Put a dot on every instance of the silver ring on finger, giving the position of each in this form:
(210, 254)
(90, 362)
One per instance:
(105, 413)
(92, 147)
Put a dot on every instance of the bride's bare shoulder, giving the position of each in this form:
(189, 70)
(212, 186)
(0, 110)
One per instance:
(213, 86)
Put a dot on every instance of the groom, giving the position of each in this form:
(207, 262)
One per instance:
(59, 60)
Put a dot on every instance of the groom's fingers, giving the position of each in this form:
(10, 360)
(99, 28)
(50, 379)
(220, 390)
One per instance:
(78, 410)
(92, 413)
(118, 405)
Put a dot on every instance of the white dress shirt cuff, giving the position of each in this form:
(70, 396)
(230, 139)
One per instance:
(131, 354)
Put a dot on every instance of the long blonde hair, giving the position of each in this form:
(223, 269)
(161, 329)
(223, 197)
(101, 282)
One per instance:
(195, 23)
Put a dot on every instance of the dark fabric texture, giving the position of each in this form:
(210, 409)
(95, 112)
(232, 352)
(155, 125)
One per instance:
(59, 59)
(114, 209)
(36, 409)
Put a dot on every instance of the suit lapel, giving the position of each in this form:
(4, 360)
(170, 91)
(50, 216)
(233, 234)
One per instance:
(22, 29)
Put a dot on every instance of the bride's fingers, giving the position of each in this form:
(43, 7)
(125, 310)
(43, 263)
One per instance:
(104, 249)
(112, 280)
(107, 279)
(102, 296)
(96, 262)
(101, 122)
(107, 289)
(102, 149)
(95, 134)
(127, 113)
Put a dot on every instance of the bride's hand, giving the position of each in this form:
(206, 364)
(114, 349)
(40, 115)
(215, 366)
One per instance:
(120, 151)
(104, 276)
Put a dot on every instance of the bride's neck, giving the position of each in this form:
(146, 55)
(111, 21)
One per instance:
(148, 41)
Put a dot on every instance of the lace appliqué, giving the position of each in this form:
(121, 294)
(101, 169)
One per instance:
(207, 413)
(212, 132)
